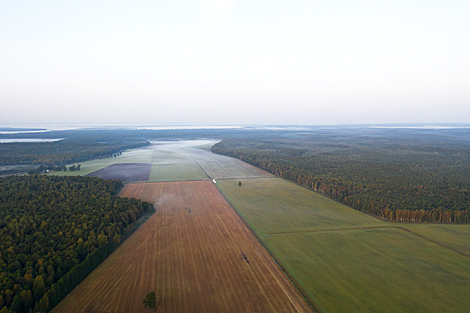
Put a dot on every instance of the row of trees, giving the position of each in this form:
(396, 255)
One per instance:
(56, 230)
(398, 184)
(45, 168)
(74, 167)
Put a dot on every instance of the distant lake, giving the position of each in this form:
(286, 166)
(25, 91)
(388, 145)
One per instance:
(29, 140)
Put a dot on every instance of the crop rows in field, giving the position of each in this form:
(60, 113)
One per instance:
(194, 253)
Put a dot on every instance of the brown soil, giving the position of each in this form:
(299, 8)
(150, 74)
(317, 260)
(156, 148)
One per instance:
(127, 172)
(196, 255)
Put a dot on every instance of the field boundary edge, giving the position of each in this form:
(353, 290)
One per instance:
(314, 306)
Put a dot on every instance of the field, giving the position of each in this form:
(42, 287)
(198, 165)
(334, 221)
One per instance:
(177, 161)
(275, 205)
(453, 236)
(347, 261)
(195, 253)
(222, 167)
(375, 270)
(141, 155)
(172, 162)
(127, 172)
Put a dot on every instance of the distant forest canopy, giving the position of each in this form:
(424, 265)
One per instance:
(80, 145)
(16, 129)
(86, 144)
(54, 231)
(400, 177)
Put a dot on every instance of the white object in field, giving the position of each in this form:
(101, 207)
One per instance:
(214, 181)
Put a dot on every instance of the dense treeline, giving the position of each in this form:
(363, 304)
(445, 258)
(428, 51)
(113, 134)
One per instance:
(76, 147)
(56, 230)
(45, 168)
(394, 178)
(59, 153)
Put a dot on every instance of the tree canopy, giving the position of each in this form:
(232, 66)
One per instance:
(150, 300)
(403, 179)
(77, 145)
(56, 230)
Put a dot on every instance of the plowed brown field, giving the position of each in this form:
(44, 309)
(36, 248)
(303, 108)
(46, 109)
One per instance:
(195, 253)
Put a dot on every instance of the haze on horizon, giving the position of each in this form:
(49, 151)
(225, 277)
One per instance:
(234, 62)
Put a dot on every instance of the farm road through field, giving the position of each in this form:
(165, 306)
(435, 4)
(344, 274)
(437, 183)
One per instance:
(195, 253)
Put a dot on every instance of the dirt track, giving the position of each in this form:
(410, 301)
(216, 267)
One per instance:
(195, 253)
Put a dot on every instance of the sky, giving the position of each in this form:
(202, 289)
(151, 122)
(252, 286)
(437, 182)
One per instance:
(234, 62)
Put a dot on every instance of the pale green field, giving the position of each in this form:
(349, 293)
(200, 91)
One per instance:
(342, 266)
(173, 163)
(276, 205)
(223, 167)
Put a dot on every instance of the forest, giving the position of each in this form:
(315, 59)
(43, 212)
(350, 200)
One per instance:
(76, 146)
(417, 177)
(54, 231)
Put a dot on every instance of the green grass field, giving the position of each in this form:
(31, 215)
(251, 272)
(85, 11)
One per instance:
(276, 205)
(375, 270)
(342, 265)
(453, 236)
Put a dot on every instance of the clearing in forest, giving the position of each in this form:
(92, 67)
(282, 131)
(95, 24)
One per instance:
(195, 253)
(346, 261)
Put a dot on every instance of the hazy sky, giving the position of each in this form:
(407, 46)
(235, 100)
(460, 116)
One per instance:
(234, 62)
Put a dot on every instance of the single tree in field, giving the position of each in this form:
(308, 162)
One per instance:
(239, 184)
(150, 301)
